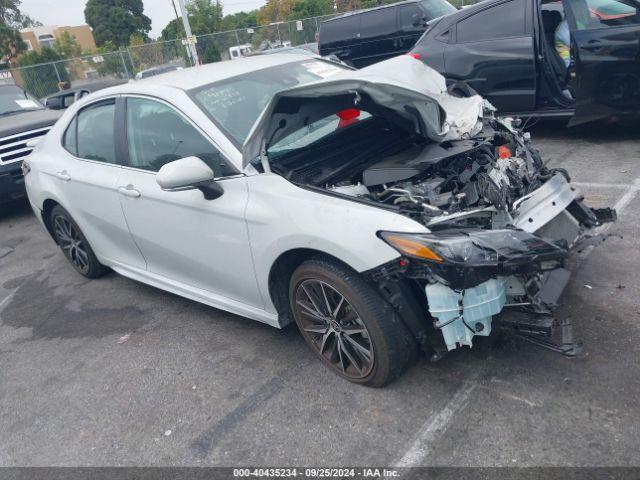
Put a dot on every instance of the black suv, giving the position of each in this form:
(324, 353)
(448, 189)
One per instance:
(22, 120)
(506, 51)
(369, 36)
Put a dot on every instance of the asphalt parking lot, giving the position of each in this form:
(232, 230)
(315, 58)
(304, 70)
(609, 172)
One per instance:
(113, 372)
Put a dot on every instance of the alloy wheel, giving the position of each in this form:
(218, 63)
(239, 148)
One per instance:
(334, 328)
(71, 243)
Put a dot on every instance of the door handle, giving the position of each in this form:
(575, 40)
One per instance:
(129, 191)
(63, 175)
(593, 45)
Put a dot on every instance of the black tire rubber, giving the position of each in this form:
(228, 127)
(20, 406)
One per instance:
(95, 268)
(392, 343)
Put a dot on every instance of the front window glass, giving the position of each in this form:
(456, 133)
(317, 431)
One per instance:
(157, 135)
(437, 8)
(15, 100)
(592, 14)
(236, 103)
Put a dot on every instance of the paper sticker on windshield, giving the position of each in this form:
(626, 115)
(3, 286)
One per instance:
(321, 69)
(27, 103)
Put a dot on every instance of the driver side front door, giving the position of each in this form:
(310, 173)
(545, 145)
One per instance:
(194, 244)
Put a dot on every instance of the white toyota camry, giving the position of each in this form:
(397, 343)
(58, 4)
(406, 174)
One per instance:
(379, 210)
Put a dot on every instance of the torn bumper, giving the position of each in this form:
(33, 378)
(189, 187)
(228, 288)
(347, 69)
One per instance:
(519, 292)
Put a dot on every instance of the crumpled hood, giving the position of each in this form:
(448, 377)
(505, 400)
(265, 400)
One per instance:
(403, 89)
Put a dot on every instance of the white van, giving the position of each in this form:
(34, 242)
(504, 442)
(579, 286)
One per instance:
(239, 51)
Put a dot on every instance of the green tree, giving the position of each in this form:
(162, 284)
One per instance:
(208, 51)
(11, 43)
(111, 62)
(41, 76)
(240, 20)
(275, 11)
(11, 21)
(67, 46)
(173, 30)
(116, 20)
(311, 8)
(205, 16)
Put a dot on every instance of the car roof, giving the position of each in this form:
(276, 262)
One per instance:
(194, 77)
(358, 12)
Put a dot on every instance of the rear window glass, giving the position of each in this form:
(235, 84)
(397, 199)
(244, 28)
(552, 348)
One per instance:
(378, 22)
(317, 130)
(500, 21)
(346, 28)
(95, 132)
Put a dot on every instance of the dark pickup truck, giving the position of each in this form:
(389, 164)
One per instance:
(22, 119)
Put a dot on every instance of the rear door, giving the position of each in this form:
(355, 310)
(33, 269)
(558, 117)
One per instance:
(606, 52)
(492, 49)
(379, 39)
(87, 174)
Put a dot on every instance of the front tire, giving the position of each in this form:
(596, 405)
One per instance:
(347, 324)
(74, 244)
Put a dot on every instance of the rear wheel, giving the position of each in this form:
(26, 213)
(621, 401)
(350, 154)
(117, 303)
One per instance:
(347, 324)
(74, 244)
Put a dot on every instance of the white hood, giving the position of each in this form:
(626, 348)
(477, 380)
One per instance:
(403, 88)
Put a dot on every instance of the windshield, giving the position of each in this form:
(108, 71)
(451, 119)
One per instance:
(236, 103)
(317, 130)
(14, 100)
(437, 8)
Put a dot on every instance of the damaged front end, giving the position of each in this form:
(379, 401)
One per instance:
(499, 225)
(496, 255)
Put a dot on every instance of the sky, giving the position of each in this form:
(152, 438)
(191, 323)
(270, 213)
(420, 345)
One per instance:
(71, 12)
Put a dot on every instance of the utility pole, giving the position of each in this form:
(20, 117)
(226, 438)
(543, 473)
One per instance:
(175, 9)
(191, 47)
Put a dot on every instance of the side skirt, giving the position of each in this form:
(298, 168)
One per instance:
(196, 294)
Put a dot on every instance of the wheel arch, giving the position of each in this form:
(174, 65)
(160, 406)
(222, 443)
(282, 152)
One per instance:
(280, 276)
(47, 206)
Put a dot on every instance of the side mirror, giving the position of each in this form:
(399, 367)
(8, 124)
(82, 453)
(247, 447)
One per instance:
(187, 174)
(54, 103)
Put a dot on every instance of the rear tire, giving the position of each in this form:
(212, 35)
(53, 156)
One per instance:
(74, 244)
(347, 323)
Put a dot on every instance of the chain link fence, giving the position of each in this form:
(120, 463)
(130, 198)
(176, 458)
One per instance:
(140, 61)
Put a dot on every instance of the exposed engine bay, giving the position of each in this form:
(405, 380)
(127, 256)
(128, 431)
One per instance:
(497, 226)
(502, 225)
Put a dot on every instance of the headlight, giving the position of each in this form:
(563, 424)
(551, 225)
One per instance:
(473, 248)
